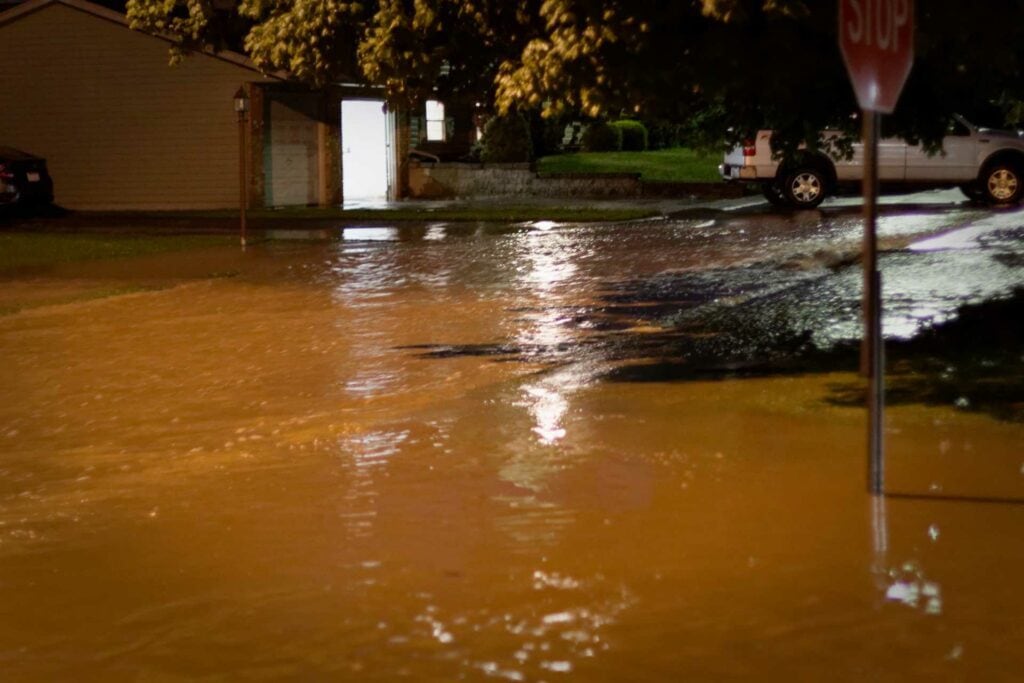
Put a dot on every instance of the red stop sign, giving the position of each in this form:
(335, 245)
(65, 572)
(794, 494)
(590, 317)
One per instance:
(876, 38)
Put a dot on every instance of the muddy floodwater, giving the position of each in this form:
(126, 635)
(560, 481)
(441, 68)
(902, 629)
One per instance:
(477, 452)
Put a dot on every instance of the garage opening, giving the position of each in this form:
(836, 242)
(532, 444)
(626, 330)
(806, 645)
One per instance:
(366, 151)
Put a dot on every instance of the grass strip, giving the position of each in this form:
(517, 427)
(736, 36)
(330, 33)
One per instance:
(470, 213)
(497, 214)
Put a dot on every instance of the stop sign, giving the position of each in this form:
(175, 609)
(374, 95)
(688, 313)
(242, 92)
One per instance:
(876, 38)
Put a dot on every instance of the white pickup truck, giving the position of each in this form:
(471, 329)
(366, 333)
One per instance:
(987, 165)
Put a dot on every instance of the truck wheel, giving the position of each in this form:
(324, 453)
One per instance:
(1002, 183)
(973, 192)
(773, 193)
(804, 188)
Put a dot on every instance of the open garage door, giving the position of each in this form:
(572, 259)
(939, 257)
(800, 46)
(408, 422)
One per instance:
(366, 152)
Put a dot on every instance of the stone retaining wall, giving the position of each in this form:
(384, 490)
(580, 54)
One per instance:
(450, 180)
(446, 180)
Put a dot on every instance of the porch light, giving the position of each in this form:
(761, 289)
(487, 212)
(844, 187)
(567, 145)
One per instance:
(241, 103)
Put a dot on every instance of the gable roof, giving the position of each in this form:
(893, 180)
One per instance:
(32, 6)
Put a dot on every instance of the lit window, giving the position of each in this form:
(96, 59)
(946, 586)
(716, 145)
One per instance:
(435, 120)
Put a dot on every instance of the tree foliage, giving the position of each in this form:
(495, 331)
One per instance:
(735, 65)
(414, 49)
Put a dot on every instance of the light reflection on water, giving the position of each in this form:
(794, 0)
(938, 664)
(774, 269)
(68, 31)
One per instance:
(548, 407)
(366, 457)
(269, 476)
(370, 234)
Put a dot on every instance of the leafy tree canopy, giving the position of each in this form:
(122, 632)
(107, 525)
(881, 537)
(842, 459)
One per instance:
(739, 65)
(413, 48)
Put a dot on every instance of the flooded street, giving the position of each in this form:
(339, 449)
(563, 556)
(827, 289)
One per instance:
(529, 452)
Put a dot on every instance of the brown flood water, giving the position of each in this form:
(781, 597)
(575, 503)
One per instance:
(259, 477)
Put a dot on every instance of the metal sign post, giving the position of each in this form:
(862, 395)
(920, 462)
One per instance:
(872, 350)
(876, 38)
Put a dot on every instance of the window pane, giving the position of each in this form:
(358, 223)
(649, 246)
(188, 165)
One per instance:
(435, 130)
(435, 110)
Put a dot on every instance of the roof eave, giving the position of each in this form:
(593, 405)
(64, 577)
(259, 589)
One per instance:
(32, 6)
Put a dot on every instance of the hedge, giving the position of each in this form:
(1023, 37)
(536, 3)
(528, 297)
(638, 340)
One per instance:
(634, 135)
(601, 136)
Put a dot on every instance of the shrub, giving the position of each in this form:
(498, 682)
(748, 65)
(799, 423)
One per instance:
(662, 134)
(546, 134)
(634, 135)
(601, 136)
(506, 140)
(705, 129)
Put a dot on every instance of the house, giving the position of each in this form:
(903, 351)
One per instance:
(121, 129)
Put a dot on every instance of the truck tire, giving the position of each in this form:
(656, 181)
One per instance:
(1002, 183)
(805, 187)
(973, 192)
(773, 193)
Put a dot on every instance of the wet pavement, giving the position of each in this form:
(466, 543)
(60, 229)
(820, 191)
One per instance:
(531, 452)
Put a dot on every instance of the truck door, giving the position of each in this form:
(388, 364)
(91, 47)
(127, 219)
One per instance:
(892, 161)
(957, 160)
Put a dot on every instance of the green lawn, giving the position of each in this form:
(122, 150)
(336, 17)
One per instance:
(411, 211)
(667, 165)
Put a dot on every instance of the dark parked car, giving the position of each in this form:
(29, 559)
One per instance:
(24, 180)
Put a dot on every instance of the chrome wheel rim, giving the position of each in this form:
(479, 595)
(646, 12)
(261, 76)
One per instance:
(1002, 184)
(805, 187)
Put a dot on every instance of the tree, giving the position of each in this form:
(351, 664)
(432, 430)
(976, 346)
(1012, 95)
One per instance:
(739, 65)
(762, 63)
(444, 48)
(414, 49)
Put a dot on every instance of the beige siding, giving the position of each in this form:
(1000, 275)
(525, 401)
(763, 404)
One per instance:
(118, 126)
